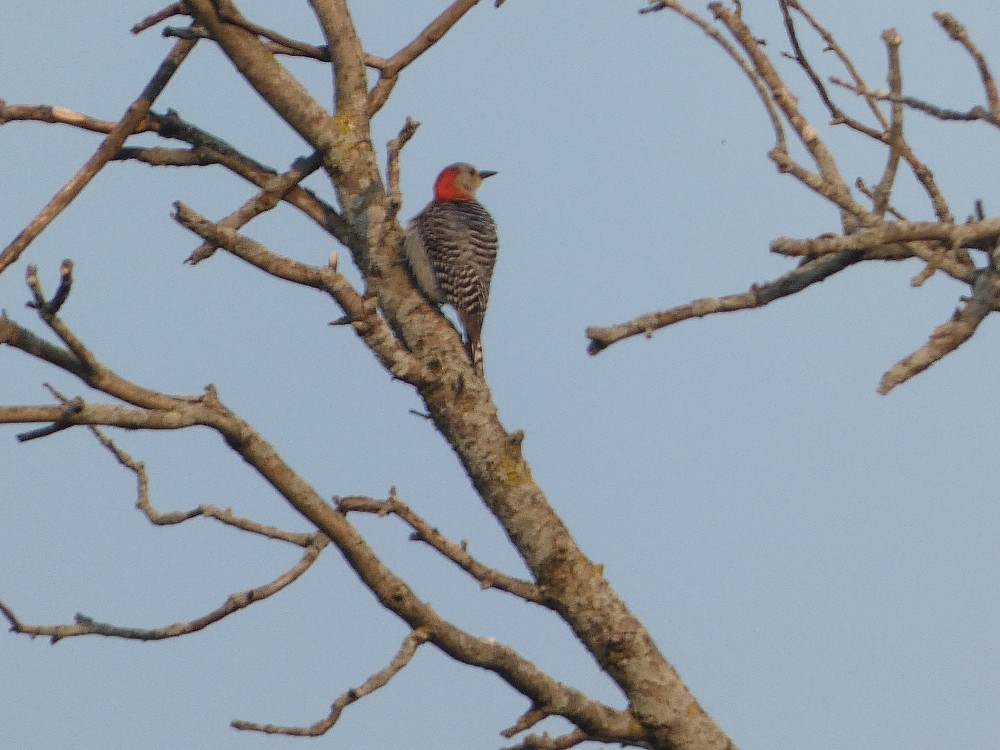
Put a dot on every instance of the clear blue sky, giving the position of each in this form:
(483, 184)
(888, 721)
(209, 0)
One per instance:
(818, 561)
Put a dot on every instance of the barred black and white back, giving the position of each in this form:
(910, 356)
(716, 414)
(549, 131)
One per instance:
(451, 247)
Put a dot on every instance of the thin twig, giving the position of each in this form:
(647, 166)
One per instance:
(225, 516)
(303, 48)
(390, 68)
(863, 187)
(960, 34)
(457, 553)
(392, 166)
(780, 143)
(52, 306)
(828, 182)
(60, 115)
(406, 652)
(883, 191)
(950, 335)
(105, 152)
(525, 722)
(174, 9)
(73, 408)
(85, 625)
(977, 112)
(563, 742)
(832, 45)
(274, 191)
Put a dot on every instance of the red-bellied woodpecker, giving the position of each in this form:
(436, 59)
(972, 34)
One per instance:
(451, 247)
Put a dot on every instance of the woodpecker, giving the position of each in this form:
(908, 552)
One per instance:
(451, 248)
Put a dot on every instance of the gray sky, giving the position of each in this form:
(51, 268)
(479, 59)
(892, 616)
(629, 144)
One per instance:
(818, 561)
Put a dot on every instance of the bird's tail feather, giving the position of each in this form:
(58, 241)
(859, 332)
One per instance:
(476, 353)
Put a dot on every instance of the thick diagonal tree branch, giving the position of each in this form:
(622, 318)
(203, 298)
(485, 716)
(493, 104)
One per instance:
(661, 712)
(458, 401)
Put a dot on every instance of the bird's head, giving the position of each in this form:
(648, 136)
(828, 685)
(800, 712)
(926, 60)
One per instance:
(459, 182)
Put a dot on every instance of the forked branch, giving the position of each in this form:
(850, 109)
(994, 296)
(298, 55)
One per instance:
(875, 233)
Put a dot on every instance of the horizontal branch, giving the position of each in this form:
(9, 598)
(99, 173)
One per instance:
(977, 235)
(100, 414)
(207, 149)
(235, 602)
(977, 112)
(59, 115)
(809, 273)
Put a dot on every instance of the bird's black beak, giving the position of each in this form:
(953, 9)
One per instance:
(486, 173)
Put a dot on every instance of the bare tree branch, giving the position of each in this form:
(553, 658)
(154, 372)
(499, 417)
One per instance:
(960, 34)
(82, 361)
(21, 338)
(100, 414)
(105, 152)
(206, 150)
(391, 591)
(831, 44)
(361, 313)
(279, 88)
(883, 191)
(950, 335)
(392, 167)
(390, 68)
(223, 515)
(525, 721)
(563, 742)
(981, 235)
(234, 603)
(809, 273)
(760, 86)
(406, 652)
(457, 553)
(174, 9)
(280, 40)
(828, 182)
(60, 116)
(272, 194)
